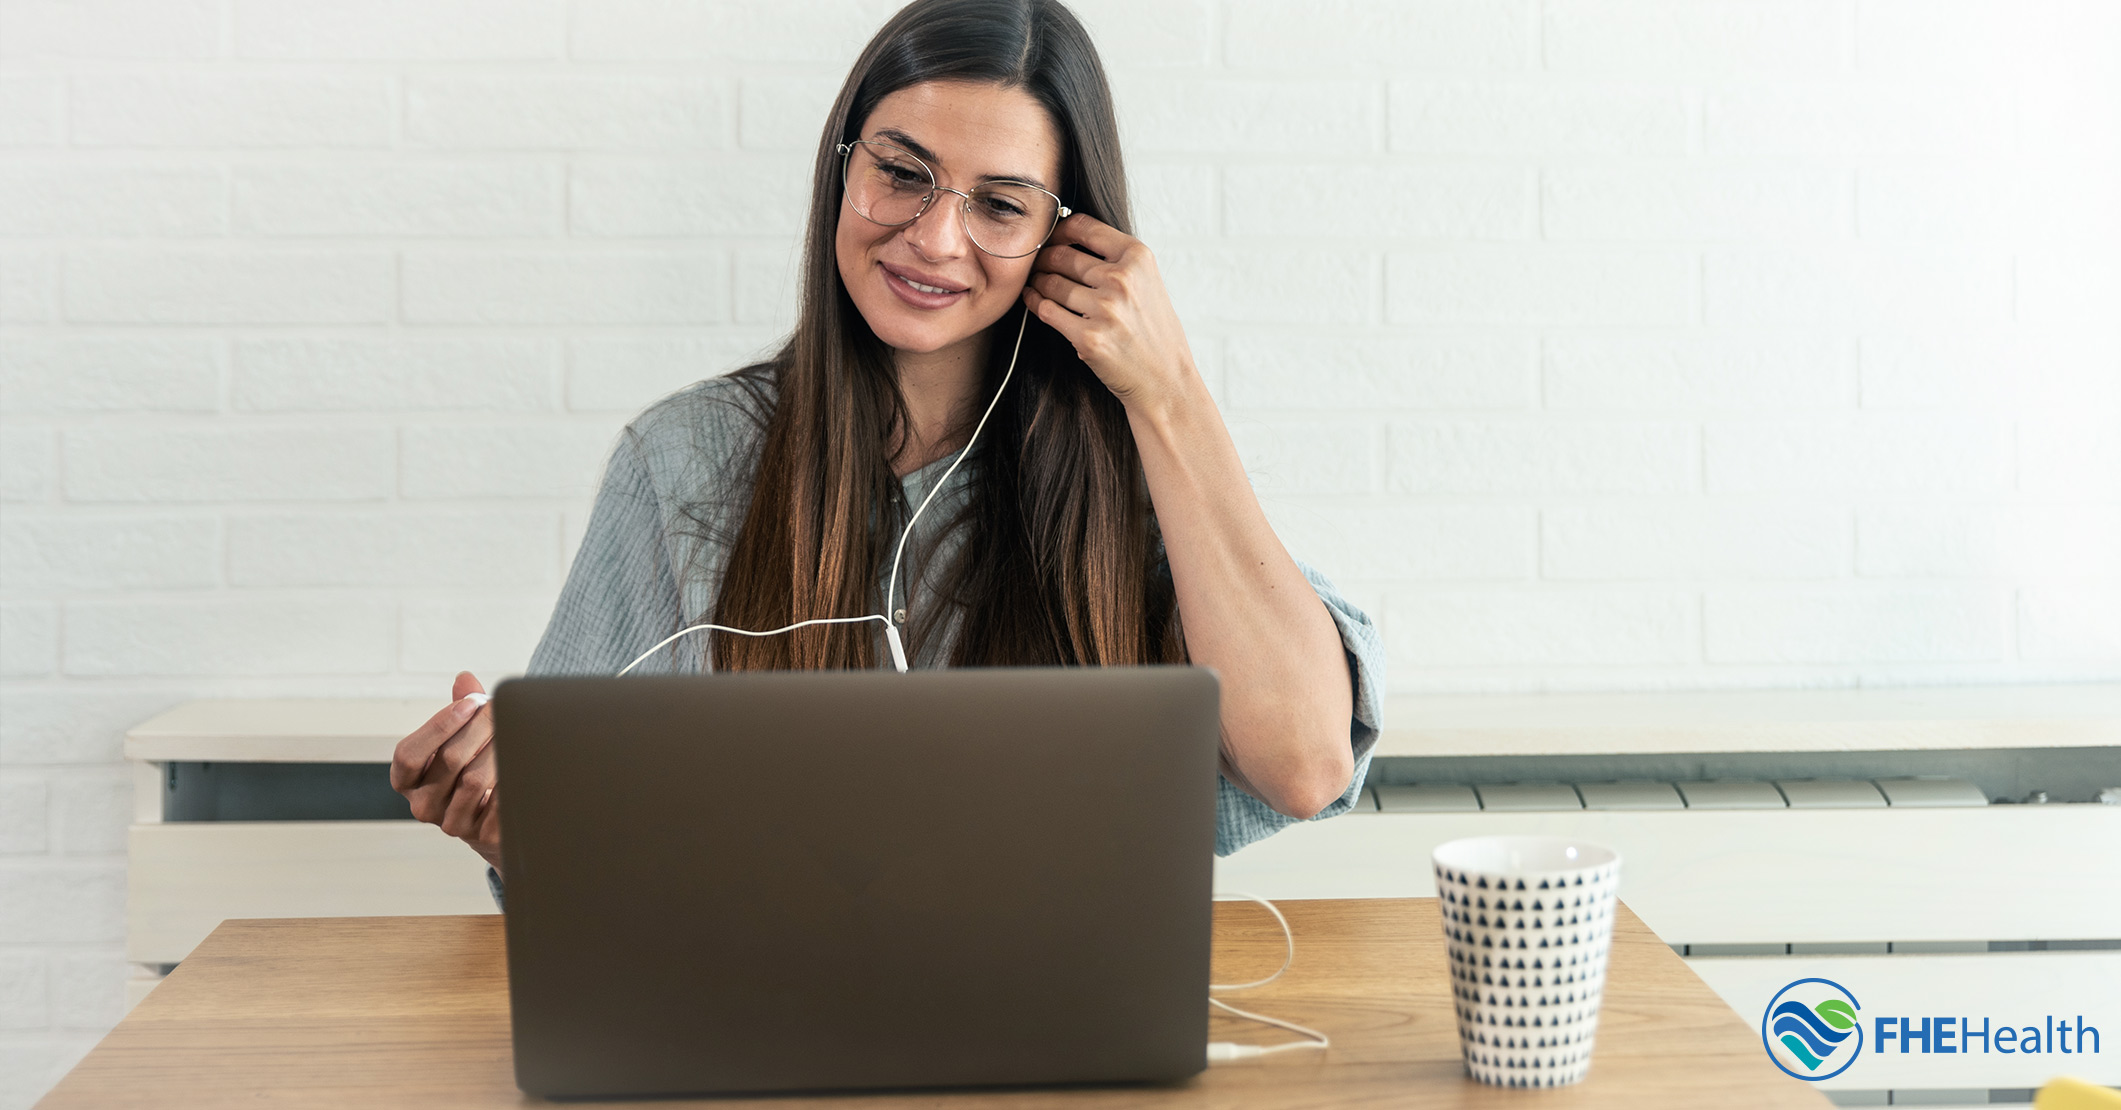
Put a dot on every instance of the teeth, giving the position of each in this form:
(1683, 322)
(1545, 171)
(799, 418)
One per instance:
(925, 288)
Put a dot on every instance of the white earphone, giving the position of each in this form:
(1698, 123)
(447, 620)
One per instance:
(891, 633)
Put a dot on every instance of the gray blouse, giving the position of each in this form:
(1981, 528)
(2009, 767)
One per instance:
(674, 495)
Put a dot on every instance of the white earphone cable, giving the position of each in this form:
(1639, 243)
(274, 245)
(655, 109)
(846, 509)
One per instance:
(891, 633)
(1231, 1050)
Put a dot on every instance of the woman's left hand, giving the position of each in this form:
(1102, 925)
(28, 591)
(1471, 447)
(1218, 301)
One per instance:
(1112, 306)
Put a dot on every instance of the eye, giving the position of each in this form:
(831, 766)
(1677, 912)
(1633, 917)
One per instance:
(902, 175)
(999, 206)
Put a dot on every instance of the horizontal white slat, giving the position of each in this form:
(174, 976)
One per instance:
(279, 730)
(2052, 716)
(1759, 876)
(186, 878)
(2007, 988)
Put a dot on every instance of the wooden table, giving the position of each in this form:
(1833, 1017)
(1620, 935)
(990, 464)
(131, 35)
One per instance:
(413, 1012)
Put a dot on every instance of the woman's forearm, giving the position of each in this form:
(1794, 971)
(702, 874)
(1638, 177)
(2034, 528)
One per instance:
(1247, 611)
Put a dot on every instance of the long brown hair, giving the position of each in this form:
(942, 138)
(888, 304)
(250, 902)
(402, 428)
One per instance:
(1060, 557)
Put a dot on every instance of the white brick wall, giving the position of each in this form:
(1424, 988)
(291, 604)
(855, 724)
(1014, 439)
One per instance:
(1590, 344)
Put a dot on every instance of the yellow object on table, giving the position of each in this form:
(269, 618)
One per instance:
(2069, 1093)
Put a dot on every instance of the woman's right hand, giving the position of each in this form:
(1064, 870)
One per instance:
(445, 768)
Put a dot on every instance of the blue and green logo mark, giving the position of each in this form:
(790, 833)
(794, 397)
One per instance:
(1811, 1030)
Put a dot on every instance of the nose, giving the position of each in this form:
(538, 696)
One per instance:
(940, 233)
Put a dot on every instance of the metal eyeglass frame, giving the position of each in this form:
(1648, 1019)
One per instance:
(846, 150)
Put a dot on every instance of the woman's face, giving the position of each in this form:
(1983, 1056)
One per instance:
(966, 133)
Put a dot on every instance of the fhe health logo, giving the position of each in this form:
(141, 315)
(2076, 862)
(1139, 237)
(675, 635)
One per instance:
(1811, 1029)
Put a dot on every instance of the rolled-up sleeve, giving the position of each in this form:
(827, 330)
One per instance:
(1241, 818)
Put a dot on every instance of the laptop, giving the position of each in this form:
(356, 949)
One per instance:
(831, 880)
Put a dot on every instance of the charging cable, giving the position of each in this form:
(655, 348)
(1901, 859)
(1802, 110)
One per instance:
(1219, 1051)
(891, 633)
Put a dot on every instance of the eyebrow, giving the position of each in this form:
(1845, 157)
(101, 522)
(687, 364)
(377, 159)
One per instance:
(913, 146)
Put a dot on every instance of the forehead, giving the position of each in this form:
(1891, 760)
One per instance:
(975, 130)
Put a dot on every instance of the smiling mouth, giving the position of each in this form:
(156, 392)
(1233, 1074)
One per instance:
(928, 288)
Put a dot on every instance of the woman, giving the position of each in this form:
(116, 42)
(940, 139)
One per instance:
(970, 175)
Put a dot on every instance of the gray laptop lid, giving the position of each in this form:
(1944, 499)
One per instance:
(819, 880)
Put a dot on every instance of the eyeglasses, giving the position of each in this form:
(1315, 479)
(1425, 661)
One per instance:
(888, 186)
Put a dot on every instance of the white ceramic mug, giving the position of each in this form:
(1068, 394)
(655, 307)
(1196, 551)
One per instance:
(1528, 921)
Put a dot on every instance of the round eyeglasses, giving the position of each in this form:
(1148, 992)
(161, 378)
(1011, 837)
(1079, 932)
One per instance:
(888, 186)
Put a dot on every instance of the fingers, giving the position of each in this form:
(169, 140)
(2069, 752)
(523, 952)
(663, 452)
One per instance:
(1076, 298)
(1094, 233)
(468, 797)
(466, 683)
(430, 794)
(1050, 311)
(1064, 259)
(409, 761)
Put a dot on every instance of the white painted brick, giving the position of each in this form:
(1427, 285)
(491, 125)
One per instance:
(1383, 371)
(491, 638)
(1270, 286)
(626, 375)
(219, 463)
(1477, 117)
(69, 375)
(1766, 203)
(1868, 454)
(1402, 543)
(2075, 625)
(1935, 203)
(1510, 286)
(784, 112)
(2078, 287)
(1308, 457)
(1542, 456)
(691, 196)
(399, 30)
(1711, 541)
(2054, 206)
(1866, 120)
(1504, 627)
(102, 552)
(400, 197)
(75, 199)
(226, 109)
(1161, 115)
(1752, 371)
(228, 286)
(23, 991)
(1869, 286)
(29, 287)
(1843, 624)
(29, 638)
(29, 463)
(2071, 455)
(766, 286)
(236, 636)
(1982, 370)
(91, 807)
(393, 375)
(30, 1066)
(1630, 37)
(2072, 114)
(32, 109)
(70, 902)
(542, 460)
(1367, 203)
(76, 725)
(788, 31)
(1394, 35)
(426, 549)
(1172, 198)
(88, 988)
(2032, 543)
(23, 817)
(111, 29)
(567, 113)
(1948, 37)
(1133, 35)
(576, 286)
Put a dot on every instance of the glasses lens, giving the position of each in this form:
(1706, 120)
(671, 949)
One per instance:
(1010, 220)
(886, 185)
